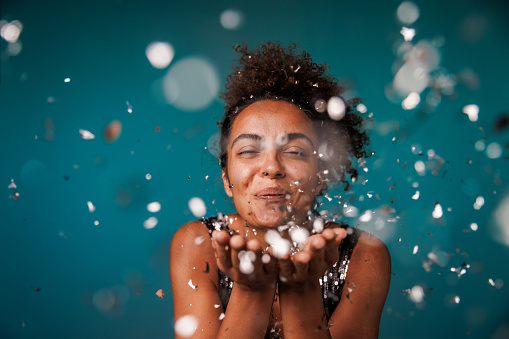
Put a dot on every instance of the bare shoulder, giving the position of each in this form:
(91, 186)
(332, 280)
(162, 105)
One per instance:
(370, 247)
(371, 263)
(191, 249)
(192, 233)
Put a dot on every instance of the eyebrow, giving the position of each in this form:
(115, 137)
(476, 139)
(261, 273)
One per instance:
(291, 136)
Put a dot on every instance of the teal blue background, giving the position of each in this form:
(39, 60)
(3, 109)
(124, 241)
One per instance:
(48, 239)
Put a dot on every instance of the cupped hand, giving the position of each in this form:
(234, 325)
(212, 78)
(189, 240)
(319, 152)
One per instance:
(319, 254)
(242, 261)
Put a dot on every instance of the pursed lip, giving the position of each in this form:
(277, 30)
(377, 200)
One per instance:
(272, 194)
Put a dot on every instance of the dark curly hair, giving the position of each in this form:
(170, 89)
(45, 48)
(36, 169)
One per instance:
(271, 72)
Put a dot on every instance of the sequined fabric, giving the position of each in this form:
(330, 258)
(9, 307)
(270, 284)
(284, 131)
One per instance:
(332, 281)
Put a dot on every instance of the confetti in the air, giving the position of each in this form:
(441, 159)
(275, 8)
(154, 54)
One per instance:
(160, 54)
(416, 195)
(91, 207)
(154, 207)
(185, 326)
(298, 235)
(87, 135)
(336, 108)
(67, 80)
(494, 150)
(437, 211)
(246, 262)
(15, 193)
(408, 33)
(280, 246)
(408, 12)
(150, 223)
(197, 207)
(112, 131)
(479, 202)
(472, 111)
(160, 293)
(231, 19)
(416, 249)
(416, 294)
(411, 101)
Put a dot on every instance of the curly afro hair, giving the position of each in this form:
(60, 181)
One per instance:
(272, 72)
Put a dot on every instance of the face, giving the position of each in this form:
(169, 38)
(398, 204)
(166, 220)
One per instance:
(272, 169)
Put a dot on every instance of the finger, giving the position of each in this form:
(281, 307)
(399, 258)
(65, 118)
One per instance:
(237, 244)
(340, 234)
(301, 264)
(222, 249)
(286, 268)
(270, 263)
(317, 252)
(255, 247)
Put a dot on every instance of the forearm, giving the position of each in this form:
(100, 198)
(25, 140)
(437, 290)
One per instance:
(302, 311)
(248, 312)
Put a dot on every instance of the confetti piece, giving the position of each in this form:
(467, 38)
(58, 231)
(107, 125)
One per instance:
(336, 108)
(112, 131)
(408, 34)
(416, 249)
(148, 176)
(190, 283)
(416, 294)
(472, 111)
(86, 135)
(197, 207)
(129, 107)
(15, 193)
(231, 19)
(207, 268)
(150, 223)
(96, 223)
(160, 293)
(416, 195)
(154, 207)
(158, 128)
(280, 246)
(67, 80)
(91, 207)
(186, 325)
(221, 316)
(437, 211)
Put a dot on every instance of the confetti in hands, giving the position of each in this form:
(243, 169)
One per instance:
(246, 264)
(319, 254)
(244, 261)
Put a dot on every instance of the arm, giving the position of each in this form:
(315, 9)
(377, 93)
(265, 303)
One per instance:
(367, 284)
(299, 289)
(187, 266)
(366, 287)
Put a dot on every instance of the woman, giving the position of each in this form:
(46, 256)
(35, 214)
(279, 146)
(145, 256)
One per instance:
(261, 275)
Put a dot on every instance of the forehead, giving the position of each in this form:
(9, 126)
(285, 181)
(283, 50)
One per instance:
(270, 118)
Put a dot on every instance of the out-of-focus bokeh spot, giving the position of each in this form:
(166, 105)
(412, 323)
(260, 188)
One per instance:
(191, 84)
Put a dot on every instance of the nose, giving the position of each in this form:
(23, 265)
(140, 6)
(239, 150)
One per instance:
(271, 166)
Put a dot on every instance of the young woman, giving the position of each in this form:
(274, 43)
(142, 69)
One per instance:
(278, 268)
